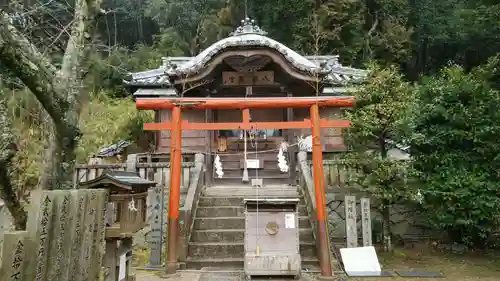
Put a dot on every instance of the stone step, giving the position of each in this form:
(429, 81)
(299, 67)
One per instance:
(261, 173)
(237, 180)
(245, 191)
(237, 235)
(236, 164)
(268, 179)
(207, 201)
(234, 263)
(244, 186)
(235, 249)
(234, 223)
(231, 211)
(266, 156)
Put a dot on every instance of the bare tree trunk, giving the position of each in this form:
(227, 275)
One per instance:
(57, 91)
(386, 231)
(8, 149)
(46, 177)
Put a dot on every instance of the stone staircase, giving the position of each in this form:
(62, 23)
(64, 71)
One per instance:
(217, 240)
(233, 170)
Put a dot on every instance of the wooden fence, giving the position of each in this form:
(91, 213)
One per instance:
(154, 236)
(95, 167)
(64, 239)
(336, 173)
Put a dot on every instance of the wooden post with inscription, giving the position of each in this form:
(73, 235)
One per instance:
(366, 222)
(63, 240)
(350, 221)
(14, 256)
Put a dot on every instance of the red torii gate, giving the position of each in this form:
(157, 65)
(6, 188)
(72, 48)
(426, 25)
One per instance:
(177, 125)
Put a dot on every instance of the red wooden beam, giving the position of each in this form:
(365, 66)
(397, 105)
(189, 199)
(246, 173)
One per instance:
(245, 116)
(186, 125)
(175, 190)
(241, 103)
(319, 192)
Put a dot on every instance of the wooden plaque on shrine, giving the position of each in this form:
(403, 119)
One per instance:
(233, 78)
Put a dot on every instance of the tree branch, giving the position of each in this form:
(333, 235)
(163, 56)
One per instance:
(68, 80)
(8, 149)
(57, 91)
(28, 64)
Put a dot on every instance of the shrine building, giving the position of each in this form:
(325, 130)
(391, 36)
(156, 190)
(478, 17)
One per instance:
(247, 64)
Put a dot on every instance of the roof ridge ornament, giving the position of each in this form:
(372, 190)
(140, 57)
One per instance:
(248, 26)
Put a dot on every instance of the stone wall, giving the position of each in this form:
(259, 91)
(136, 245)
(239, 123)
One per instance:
(406, 222)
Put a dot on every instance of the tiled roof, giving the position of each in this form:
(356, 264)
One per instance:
(339, 75)
(126, 179)
(247, 35)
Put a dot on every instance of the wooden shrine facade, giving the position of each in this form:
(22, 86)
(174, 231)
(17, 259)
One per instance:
(245, 83)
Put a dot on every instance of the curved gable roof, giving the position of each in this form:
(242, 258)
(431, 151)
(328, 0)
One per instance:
(247, 40)
(245, 36)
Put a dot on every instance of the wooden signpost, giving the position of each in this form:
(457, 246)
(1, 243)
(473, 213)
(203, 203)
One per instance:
(233, 78)
(350, 221)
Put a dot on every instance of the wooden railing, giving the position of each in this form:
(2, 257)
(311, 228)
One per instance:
(336, 173)
(306, 187)
(188, 210)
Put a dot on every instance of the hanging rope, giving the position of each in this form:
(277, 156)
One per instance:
(257, 249)
(245, 168)
(239, 153)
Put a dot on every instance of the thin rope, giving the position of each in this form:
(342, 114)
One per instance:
(236, 154)
(257, 195)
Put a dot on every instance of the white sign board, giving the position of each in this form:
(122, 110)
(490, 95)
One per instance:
(253, 164)
(361, 261)
(122, 268)
(289, 220)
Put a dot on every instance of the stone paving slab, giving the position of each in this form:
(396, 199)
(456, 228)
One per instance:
(156, 276)
(216, 276)
(211, 276)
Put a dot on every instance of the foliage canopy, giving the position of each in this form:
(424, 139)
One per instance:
(456, 152)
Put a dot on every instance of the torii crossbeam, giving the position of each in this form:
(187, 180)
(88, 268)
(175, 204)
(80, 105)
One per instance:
(176, 125)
